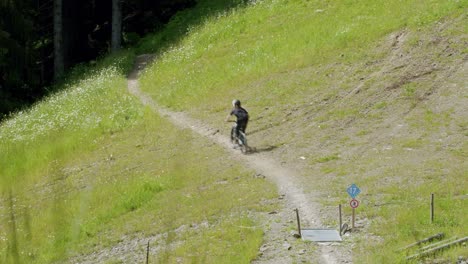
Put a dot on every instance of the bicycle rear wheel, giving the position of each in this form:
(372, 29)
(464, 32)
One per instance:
(243, 142)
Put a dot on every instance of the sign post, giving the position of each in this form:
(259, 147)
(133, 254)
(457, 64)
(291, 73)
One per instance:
(298, 222)
(341, 222)
(353, 191)
(354, 204)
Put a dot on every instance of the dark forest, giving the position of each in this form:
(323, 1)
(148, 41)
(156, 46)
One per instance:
(28, 29)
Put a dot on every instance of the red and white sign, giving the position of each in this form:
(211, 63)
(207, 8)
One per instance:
(354, 203)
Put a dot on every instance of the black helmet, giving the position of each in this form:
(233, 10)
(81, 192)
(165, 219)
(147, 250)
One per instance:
(236, 102)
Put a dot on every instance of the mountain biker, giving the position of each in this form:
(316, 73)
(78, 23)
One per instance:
(242, 119)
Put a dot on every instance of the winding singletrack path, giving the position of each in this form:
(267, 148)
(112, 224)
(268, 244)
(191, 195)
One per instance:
(284, 178)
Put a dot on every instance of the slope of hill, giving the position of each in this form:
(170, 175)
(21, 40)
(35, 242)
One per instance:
(377, 97)
(365, 92)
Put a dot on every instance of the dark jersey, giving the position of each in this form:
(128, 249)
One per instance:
(241, 114)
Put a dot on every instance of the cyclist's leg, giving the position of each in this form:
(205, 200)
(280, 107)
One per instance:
(242, 126)
(238, 128)
(234, 133)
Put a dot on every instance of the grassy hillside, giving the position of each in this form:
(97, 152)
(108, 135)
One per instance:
(225, 53)
(368, 92)
(90, 168)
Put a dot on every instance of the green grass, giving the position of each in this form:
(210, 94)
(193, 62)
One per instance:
(141, 181)
(89, 105)
(35, 144)
(89, 167)
(408, 220)
(396, 198)
(257, 52)
(327, 158)
(210, 246)
(220, 56)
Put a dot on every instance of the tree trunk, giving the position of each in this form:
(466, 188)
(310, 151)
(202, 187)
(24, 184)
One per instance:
(116, 25)
(58, 39)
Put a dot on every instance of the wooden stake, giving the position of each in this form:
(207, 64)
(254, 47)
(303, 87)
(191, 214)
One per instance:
(298, 222)
(341, 222)
(432, 208)
(147, 253)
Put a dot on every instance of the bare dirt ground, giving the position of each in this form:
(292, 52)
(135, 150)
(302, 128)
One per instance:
(278, 247)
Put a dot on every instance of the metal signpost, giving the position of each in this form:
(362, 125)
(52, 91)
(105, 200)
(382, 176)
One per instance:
(353, 191)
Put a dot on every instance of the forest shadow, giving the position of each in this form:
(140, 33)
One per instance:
(155, 42)
(178, 27)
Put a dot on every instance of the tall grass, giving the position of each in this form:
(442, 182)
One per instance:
(88, 106)
(89, 167)
(147, 179)
(35, 143)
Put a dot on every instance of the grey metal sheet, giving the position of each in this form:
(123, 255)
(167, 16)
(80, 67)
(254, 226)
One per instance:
(320, 235)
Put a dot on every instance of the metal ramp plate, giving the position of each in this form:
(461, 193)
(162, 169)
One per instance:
(320, 235)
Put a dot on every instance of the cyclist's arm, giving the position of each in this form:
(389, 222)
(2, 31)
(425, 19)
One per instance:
(227, 118)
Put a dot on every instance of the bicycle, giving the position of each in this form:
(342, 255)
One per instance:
(239, 139)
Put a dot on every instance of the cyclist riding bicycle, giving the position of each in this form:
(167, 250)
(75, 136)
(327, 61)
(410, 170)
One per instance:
(242, 119)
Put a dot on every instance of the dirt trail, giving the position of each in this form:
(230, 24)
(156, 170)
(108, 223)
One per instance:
(285, 178)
